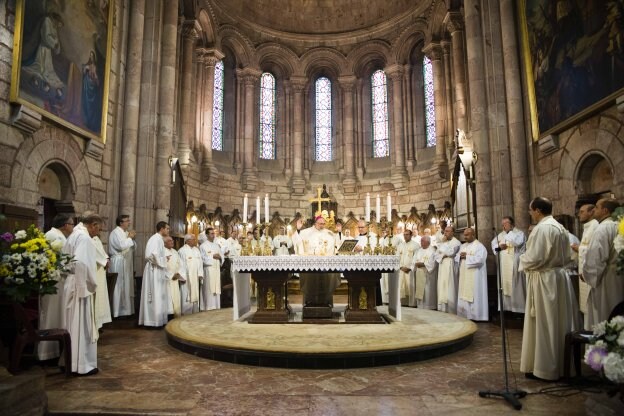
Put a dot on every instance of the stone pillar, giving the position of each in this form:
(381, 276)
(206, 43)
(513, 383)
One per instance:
(450, 130)
(515, 112)
(166, 108)
(297, 182)
(128, 165)
(250, 77)
(210, 58)
(197, 94)
(455, 25)
(190, 33)
(288, 148)
(349, 182)
(479, 127)
(434, 53)
(399, 173)
(408, 115)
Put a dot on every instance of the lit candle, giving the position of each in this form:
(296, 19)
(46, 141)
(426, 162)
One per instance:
(257, 210)
(367, 210)
(266, 208)
(389, 207)
(245, 203)
(378, 209)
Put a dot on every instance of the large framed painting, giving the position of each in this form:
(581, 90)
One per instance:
(61, 61)
(574, 59)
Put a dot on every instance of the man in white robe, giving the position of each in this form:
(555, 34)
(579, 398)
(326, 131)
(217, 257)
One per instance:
(192, 272)
(447, 275)
(510, 244)
(282, 244)
(425, 288)
(102, 303)
(365, 237)
(223, 243)
(234, 246)
(407, 252)
(173, 274)
(51, 306)
(600, 269)
(212, 257)
(155, 285)
(550, 310)
(339, 236)
(121, 250)
(472, 302)
(586, 218)
(80, 286)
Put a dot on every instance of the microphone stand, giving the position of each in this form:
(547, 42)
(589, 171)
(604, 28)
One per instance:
(511, 396)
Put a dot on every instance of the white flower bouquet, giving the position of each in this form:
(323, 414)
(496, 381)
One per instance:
(606, 352)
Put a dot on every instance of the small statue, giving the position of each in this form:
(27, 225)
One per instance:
(270, 299)
(363, 299)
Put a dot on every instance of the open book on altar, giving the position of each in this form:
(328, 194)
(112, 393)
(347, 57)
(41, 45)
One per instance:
(347, 246)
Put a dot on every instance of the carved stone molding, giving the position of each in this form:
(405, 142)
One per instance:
(434, 51)
(25, 119)
(549, 144)
(454, 21)
(94, 149)
(191, 29)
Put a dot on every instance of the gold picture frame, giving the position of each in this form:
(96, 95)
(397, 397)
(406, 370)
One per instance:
(61, 62)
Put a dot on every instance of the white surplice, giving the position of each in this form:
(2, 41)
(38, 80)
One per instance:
(551, 309)
(588, 231)
(406, 251)
(173, 268)
(234, 246)
(211, 288)
(425, 288)
(281, 244)
(155, 284)
(472, 302)
(121, 251)
(514, 282)
(447, 275)
(102, 303)
(191, 270)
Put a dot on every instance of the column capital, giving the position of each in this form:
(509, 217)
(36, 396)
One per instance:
(298, 84)
(347, 83)
(394, 71)
(454, 21)
(191, 29)
(434, 51)
(249, 75)
(209, 56)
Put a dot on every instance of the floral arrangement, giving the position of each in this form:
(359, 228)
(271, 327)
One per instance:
(618, 216)
(606, 351)
(30, 264)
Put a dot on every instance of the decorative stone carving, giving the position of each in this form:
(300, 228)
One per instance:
(549, 144)
(25, 119)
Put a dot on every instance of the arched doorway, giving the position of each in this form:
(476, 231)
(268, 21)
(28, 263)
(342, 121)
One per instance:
(56, 193)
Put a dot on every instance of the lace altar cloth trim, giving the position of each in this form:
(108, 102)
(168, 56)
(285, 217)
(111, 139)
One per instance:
(315, 263)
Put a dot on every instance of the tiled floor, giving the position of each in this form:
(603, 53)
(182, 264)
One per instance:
(141, 374)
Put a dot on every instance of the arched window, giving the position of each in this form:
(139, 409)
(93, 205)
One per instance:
(217, 108)
(323, 119)
(379, 96)
(429, 102)
(267, 116)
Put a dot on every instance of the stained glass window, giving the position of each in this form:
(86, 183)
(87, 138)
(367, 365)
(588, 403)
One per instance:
(323, 120)
(267, 116)
(429, 102)
(217, 108)
(381, 144)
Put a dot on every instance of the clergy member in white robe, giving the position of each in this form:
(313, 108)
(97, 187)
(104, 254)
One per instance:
(407, 252)
(282, 244)
(447, 276)
(155, 285)
(425, 288)
(192, 272)
(550, 310)
(80, 286)
(586, 218)
(51, 306)
(510, 244)
(339, 236)
(102, 303)
(173, 274)
(600, 268)
(234, 246)
(472, 301)
(365, 237)
(121, 250)
(212, 257)
(223, 243)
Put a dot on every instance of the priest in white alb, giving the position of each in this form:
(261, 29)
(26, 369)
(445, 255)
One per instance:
(447, 248)
(80, 286)
(365, 237)
(508, 245)
(282, 243)
(192, 272)
(121, 249)
(173, 274)
(102, 304)
(472, 302)
(155, 287)
(212, 257)
(586, 218)
(406, 252)
(425, 288)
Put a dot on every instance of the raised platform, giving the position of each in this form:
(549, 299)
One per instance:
(422, 334)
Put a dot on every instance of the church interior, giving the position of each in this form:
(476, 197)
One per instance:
(242, 115)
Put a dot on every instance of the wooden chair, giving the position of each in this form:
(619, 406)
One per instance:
(27, 334)
(575, 339)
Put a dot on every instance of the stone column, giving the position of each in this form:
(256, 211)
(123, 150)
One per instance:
(434, 53)
(399, 173)
(210, 58)
(250, 77)
(408, 115)
(166, 108)
(349, 183)
(288, 157)
(448, 76)
(479, 127)
(190, 33)
(197, 94)
(515, 112)
(297, 182)
(128, 168)
(455, 25)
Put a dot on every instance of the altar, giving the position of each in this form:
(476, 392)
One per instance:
(271, 274)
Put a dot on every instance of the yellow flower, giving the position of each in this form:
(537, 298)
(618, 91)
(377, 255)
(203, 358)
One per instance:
(621, 227)
(14, 246)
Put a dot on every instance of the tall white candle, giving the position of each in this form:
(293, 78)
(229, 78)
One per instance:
(266, 208)
(245, 204)
(389, 207)
(378, 209)
(367, 210)
(257, 210)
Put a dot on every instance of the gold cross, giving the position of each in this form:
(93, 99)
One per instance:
(318, 200)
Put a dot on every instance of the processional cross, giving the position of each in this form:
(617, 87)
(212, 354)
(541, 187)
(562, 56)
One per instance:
(318, 200)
